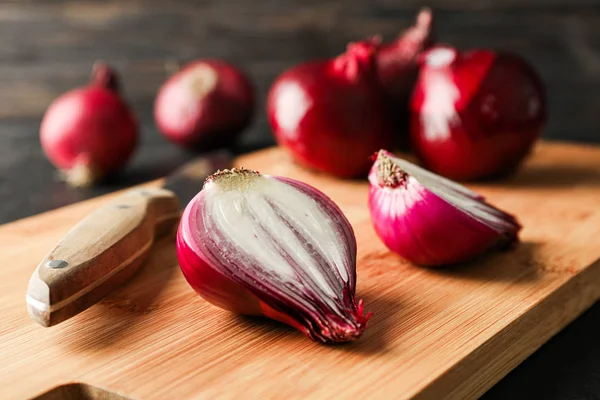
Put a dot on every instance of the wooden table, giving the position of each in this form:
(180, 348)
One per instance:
(47, 47)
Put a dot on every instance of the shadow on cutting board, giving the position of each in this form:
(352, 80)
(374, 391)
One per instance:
(516, 266)
(146, 172)
(551, 176)
(373, 340)
(116, 317)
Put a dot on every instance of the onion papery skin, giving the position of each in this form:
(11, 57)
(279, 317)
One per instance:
(330, 115)
(90, 132)
(427, 230)
(205, 105)
(476, 114)
(229, 278)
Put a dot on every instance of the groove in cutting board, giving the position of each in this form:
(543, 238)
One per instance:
(78, 391)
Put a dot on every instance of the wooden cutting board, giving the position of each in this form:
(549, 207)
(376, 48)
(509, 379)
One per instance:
(448, 333)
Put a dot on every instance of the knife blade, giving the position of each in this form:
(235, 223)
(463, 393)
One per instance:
(108, 246)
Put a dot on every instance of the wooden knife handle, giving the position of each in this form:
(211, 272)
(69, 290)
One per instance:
(98, 254)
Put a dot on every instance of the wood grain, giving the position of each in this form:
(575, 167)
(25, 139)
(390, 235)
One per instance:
(101, 252)
(448, 333)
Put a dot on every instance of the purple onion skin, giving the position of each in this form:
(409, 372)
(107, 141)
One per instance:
(210, 284)
(446, 234)
(484, 102)
(222, 289)
(331, 115)
(398, 71)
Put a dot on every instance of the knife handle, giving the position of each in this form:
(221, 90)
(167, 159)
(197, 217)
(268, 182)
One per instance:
(98, 254)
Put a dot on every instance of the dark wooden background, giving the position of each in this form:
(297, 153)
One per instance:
(48, 46)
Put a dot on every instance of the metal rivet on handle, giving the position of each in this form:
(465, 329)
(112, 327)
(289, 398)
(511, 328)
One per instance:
(56, 264)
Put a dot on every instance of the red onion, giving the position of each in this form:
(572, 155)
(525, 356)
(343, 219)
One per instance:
(205, 105)
(475, 114)
(430, 220)
(330, 115)
(265, 245)
(398, 69)
(90, 132)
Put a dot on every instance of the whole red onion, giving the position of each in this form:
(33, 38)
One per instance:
(330, 115)
(432, 221)
(90, 132)
(475, 114)
(264, 245)
(398, 69)
(205, 105)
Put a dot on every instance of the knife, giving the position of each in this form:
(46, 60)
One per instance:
(108, 246)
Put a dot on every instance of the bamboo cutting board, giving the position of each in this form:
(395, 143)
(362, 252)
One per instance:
(448, 333)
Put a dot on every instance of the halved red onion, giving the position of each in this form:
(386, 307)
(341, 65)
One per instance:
(264, 245)
(430, 220)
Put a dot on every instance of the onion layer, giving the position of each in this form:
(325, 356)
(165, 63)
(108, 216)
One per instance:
(430, 220)
(263, 245)
(475, 114)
